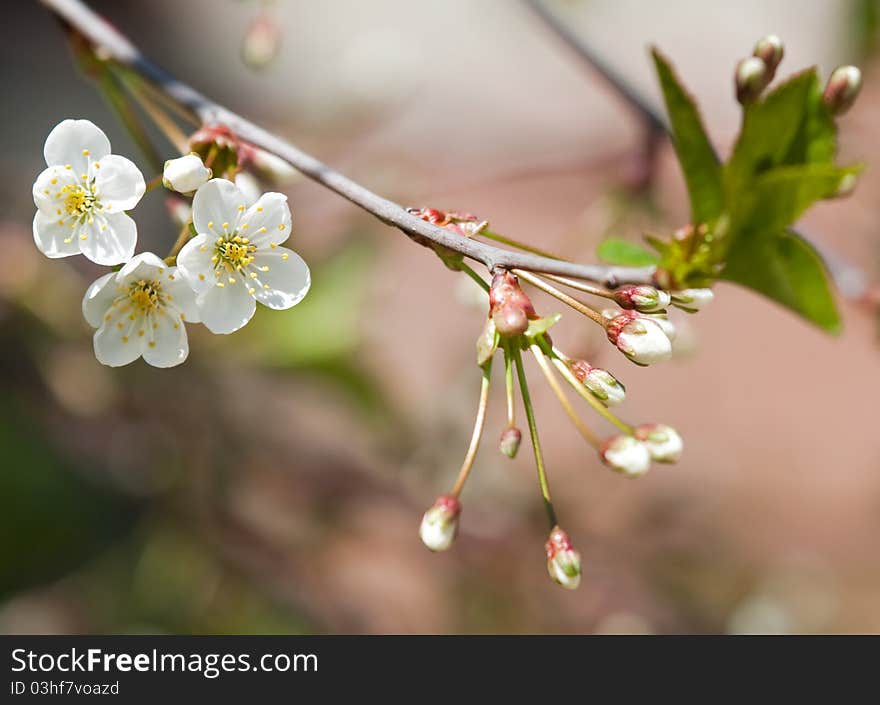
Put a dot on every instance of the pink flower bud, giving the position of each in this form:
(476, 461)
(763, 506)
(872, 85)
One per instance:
(440, 523)
(663, 442)
(626, 455)
(563, 561)
(640, 338)
(509, 306)
(843, 88)
(261, 43)
(509, 441)
(770, 50)
(643, 298)
(751, 78)
(601, 383)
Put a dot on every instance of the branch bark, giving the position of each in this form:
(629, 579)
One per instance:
(115, 46)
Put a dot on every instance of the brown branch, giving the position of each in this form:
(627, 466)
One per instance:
(116, 47)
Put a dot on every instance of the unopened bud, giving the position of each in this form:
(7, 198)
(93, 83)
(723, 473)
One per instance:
(842, 89)
(509, 441)
(601, 383)
(563, 561)
(185, 174)
(751, 78)
(667, 326)
(440, 523)
(509, 306)
(692, 300)
(663, 442)
(626, 455)
(643, 298)
(640, 338)
(770, 50)
(219, 149)
(261, 43)
(847, 185)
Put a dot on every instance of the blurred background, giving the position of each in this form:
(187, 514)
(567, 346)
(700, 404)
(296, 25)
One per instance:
(274, 483)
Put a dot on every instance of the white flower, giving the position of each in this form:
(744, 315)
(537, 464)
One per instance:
(440, 523)
(185, 174)
(82, 195)
(692, 300)
(140, 311)
(563, 561)
(235, 260)
(663, 442)
(627, 455)
(640, 338)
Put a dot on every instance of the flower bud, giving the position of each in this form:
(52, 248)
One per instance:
(842, 89)
(602, 384)
(626, 455)
(509, 306)
(509, 442)
(770, 50)
(641, 339)
(643, 298)
(692, 300)
(486, 343)
(440, 523)
(663, 442)
(261, 43)
(751, 78)
(185, 174)
(667, 326)
(219, 149)
(563, 561)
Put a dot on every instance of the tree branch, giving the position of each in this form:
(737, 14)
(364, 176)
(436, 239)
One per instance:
(114, 46)
(850, 280)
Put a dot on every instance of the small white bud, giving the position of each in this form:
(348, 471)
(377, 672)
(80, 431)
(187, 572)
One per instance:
(563, 561)
(626, 455)
(440, 523)
(185, 174)
(843, 88)
(640, 338)
(643, 298)
(692, 300)
(667, 326)
(602, 384)
(663, 442)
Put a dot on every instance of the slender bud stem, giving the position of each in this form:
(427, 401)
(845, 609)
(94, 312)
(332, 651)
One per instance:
(536, 444)
(162, 120)
(476, 277)
(587, 395)
(588, 435)
(508, 382)
(581, 286)
(153, 183)
(504, 240)
(181, 240)
(479, 423)
(564, 298)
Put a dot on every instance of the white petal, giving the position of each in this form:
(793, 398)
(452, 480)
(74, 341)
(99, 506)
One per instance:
(178, 292)
(216, 203)
(119, 184)
(47, 194)
(165, 343)
(226, 309)
(287, 277)
(194, 263)
(53, 236)
(268, 220)
(70, 138)
(146, 265)
(99, 298)
(109, 240)
(116, 347)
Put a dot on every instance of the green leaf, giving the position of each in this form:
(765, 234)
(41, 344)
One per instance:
(625, 253)
(699, 162)
(788, 270)
(773, 132)
(539, 326)
(777, 198)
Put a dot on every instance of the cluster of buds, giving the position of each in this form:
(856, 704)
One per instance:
(463, 224)
(754, 74)
(228, 156)
(509, 307)
(631, 455)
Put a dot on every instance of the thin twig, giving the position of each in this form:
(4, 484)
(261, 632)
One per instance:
(118, 48)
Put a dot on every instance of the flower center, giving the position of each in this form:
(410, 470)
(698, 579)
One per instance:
(145, 296)
(78, 201)
(234, 253)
